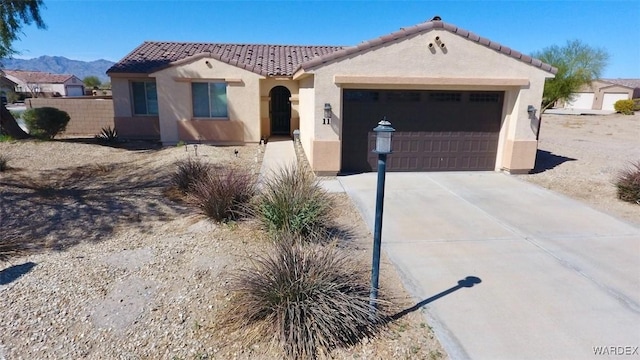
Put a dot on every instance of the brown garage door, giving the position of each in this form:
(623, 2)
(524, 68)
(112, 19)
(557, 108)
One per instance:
(435, 130)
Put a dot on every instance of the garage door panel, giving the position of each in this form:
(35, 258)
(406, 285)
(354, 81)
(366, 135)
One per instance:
(440, 151)
(435, 130)
(609, 99)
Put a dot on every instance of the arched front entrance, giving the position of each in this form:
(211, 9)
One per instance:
(280, 110)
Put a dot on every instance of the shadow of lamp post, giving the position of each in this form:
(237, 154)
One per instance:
(384, 133)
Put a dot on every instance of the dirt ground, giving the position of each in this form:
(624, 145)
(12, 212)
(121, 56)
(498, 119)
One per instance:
(580, 156)
(117, 270)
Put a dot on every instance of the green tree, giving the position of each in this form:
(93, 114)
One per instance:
(14, 14)
(92, 82)
(578, 64)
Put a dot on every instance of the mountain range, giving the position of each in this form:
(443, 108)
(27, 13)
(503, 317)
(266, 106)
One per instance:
(60, 65)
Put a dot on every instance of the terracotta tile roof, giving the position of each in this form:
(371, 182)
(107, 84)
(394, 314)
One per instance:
(267, 60)
(38, 76)
(285, 60)
(424, 27)
(630, 83)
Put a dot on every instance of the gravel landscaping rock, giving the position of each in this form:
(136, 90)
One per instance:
(116, 270)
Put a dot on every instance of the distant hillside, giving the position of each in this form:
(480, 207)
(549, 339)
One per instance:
(60, 65)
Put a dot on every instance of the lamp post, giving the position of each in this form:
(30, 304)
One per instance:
(384, 133)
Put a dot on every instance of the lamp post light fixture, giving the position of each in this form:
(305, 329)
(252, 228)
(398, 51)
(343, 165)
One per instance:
(384, 134)
(327, 114)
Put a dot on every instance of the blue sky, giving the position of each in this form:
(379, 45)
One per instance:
(109, 29)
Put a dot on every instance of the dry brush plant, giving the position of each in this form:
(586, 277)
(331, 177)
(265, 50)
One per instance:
(224, 194)
(188, 172)
(628, 184)
(292, 200)
(4, 162)
(305, 298)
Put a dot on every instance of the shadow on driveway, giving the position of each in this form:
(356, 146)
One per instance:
(467, 282)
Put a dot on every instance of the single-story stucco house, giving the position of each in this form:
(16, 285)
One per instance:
(44, 84)
(602, 94)
(458, 101)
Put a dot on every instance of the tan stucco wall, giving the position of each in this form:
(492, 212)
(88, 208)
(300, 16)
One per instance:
(175, 103)
(138, 127)
(412, 60)
(307, 115)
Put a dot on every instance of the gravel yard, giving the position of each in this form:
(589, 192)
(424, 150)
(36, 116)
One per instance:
(581, 155)
(117, 270)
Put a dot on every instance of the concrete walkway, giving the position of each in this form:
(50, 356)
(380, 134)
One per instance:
(278, 153)
(505, 269)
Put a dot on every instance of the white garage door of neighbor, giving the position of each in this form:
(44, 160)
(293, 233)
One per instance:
(610, 98)
(581, 101)
(74, 91)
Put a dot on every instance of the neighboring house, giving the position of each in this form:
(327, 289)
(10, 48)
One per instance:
(457, 101)
(43, 84)
(602, 94)
(6, 87)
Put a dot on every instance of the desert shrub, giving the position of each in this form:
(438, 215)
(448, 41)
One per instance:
(307, 298)
(188, 172)
(108, 135)
(11, 245)
(223, 194)
(292, 200)
(45, 122)
(636, 104)
(628, 184)
(624, 106)
(4, 162)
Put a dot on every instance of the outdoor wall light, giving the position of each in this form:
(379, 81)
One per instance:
(327, 114)
(531, 109)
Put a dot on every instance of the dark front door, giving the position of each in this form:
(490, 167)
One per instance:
(280, 110)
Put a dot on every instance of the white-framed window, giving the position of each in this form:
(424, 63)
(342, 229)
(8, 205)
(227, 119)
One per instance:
(209, 99)
(145, 98)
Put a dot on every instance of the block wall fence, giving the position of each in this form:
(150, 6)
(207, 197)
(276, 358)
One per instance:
(88, 114)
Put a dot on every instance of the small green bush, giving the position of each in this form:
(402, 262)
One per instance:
(293, 201)
(45, 122)
(4, 162)
(628, 184)
(308, 298)
(223, 195)
(188, 172)
(624, 106)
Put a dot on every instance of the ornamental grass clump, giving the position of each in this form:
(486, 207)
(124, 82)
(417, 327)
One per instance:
(188, 172)
(306, 298)
(4, 162)
(292, 200)
(628, 184)
(224, 194)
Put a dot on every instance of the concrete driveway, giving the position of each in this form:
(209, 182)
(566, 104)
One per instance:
(506, 269)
